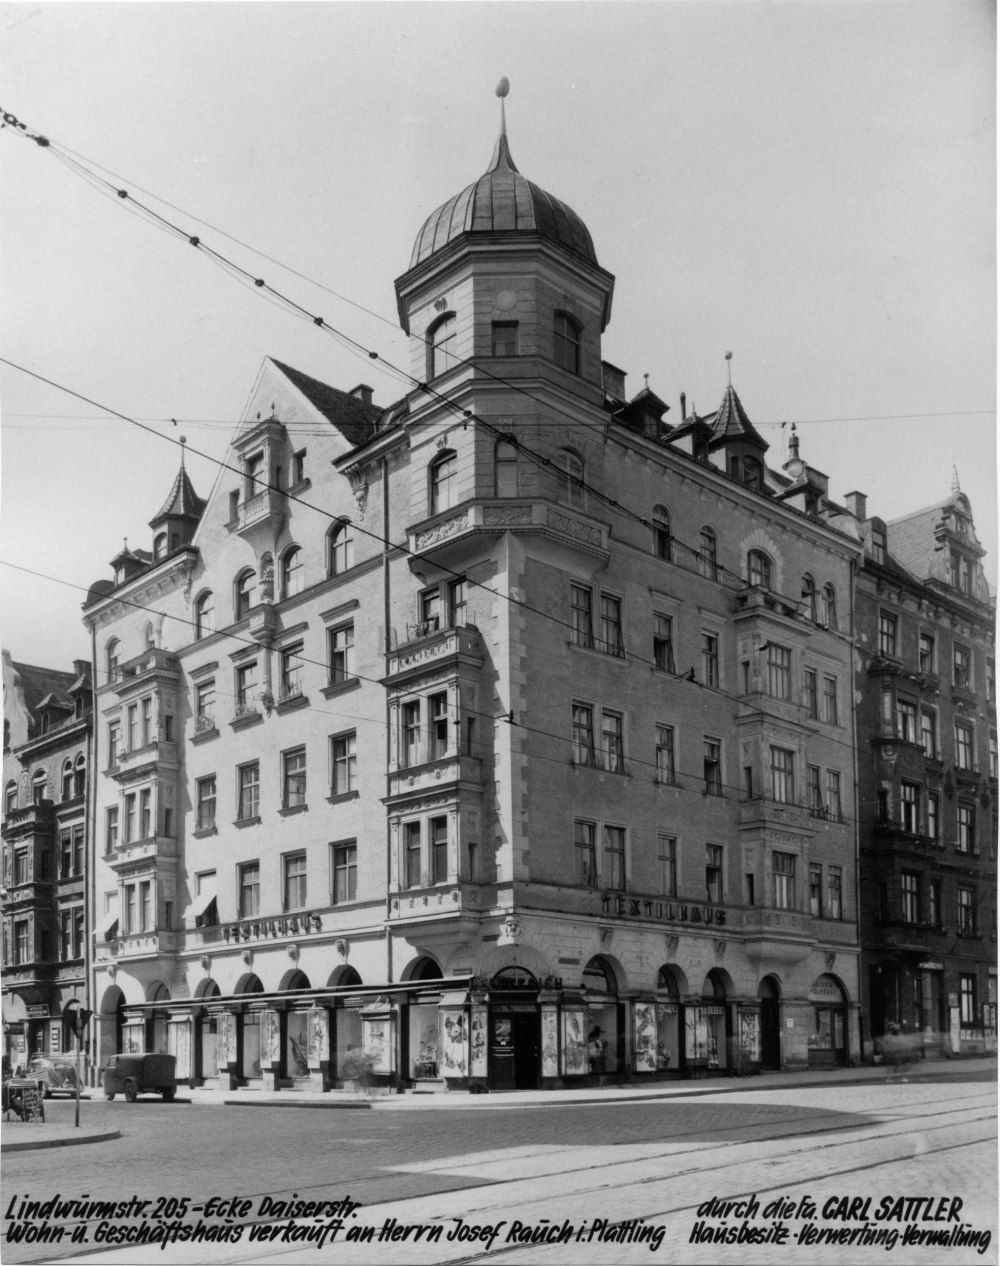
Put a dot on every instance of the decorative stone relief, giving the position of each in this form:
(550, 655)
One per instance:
(359, 487)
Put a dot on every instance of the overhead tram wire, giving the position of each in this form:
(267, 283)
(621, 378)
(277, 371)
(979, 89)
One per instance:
(673, 674)
(697, 780)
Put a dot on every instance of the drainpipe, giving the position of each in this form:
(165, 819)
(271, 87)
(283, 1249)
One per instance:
(857, 822)
(386, 615)
(90, 855)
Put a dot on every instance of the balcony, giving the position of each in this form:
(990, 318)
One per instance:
(897, 933)
(246, 713)
(453, 771)
(446, 538)
(773, 937)
(760, 811)
(153, 666)
(33, 893)
(34, 819)
(426, 645)
(260, 517)
(136, 761)
(27, 975)
(146, 850)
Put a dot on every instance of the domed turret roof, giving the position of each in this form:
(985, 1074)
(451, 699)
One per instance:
(502, 201)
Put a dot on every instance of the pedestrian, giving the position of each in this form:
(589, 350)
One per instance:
(596, 1048)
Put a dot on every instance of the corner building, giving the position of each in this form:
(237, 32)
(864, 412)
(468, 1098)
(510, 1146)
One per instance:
(504, 732)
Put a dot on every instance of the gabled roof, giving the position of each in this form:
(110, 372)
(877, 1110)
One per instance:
(182, 503)
(37, 684)
(354, 419)
(731, 422)
(912, 540)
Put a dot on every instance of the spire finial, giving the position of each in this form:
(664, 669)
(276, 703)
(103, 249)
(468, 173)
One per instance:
(503, 87)
(183, 441)
(645, 379)
(729, 366)
(955, 486)
(793, 444)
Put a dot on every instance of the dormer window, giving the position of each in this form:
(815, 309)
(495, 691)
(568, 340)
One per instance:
(159, 546)
(878, 543)
(441, 345)
(566, 342)
(752, 474)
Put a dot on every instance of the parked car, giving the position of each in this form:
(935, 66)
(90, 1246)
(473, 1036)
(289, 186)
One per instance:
(134, 1075)
(57, 1072)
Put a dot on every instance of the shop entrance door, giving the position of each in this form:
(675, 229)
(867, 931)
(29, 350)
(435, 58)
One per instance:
(515, 1049)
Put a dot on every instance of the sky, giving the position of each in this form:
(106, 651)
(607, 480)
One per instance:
(810, 186)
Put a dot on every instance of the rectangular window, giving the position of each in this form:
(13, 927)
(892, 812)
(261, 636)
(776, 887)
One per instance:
(966, 911)
(666, 770)
(961, 667)
(966, 828)
(437, 707)
(456, 603)
(911, 896)
(710, 659)
(815, 890)
(341, 646)
(583, 734)
(145, 905)
(204, 705)
(132, 723)
(713, 873)
(909, 804)
(78, 932)
(783, 869)
(663, 642)
(504, 338)
(666, 854)
(612, 742)
(968, 1011)
(830, 710)
(963, 745)
(614, 858)
(611, 626)
(438, 834)
(145, 814)
(410, 745)
(22, 942)
(294, 881)
(128, 834)
(993, 755)
(906, 721)
(411, 854)
(934, 901)
(111, 830)
(206, 803)
(782, 775)
(991, 680)
(430, 610)
(147, 722)
(254, 470)
(114, 738)
(928, 733)
(812, 694)
(779, 672)
(344, 764)
(65, 934)
(584, 847)
(712, 764)
(291, 672)
(934, 815)
(581, 615)
(130, 917)
(344, 863)
(65, 855)
(293, 779)
(817, 808)
(249, 889)
(248, 791)
(887, 632)
(246, 687)
(925, 653)
(878, 544)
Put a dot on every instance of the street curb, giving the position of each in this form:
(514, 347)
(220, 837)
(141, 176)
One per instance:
(296, 1103)
(69, 1140)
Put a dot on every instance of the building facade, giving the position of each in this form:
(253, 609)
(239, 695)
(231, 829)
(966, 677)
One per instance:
(46, 758)
(927, 780)
(504, 733)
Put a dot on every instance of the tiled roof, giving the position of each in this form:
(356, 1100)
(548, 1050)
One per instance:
(503, 201)
(911, 540)
(38, 683)
(731, 422)
(182, 503)
(353, 418)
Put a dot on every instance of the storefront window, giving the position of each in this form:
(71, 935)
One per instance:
(297, 1044)
(423, 1041)
(251, 1046)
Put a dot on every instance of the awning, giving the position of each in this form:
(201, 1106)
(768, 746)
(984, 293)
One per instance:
(199, 906)
(107, 926)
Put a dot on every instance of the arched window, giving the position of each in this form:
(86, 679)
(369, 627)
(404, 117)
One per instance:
(67, 780)
(443, 471)
(148, 636)
(566, 342)
(708, 554)
(759, 569)
(246, 591)
(79, 775)
(204, 615)
(663, 542)
(506, 469)
(111, 658)
(809, 597)
(830, 606)
(569, 467)
(292, 573)
(441, 345)
(38, 787)
(159, 546)
(9, 798)
(341, 548)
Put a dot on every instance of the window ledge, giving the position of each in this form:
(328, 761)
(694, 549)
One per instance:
(302, 486)
(618, 656)
(242, 822)
(199, 833)
(290, 705)
(288, 811)
(342, 797)
(340, 687)
(246, 720)
(203, 736)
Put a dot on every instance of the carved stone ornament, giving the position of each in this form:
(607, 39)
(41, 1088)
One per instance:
(830, 959)
(359, 487)
(112, 971)
(293, 953)
(247, 957)
(720, 949)
(672, 943)
(342, 947)
(607, 935)
(512, 927)
(205, 963)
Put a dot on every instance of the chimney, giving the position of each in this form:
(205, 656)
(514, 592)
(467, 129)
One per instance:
(81, 667)
(857, 503)
(362, 392)
(684, 406)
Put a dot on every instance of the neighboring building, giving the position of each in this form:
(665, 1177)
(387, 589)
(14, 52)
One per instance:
(927, 779)
(438, 750)
(46, 756)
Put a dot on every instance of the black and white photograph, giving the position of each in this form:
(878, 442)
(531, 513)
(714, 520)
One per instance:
(498, 545)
